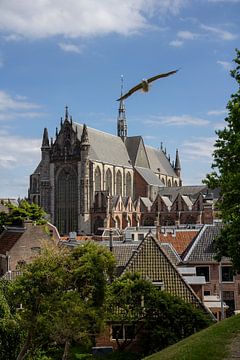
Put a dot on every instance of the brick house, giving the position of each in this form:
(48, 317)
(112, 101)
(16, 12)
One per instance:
(220, 280)
(151, 259)
(20, 245)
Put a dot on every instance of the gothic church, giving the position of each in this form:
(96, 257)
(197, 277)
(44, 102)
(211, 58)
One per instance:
(88, 179)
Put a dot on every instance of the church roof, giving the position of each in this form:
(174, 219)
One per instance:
(105, 147)
(158, 160)
(149, 176)
(137, 151)
(191, 191)
(9, 237)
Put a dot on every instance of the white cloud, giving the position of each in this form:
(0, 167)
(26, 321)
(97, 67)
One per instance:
(71, 48)
(187, 35)
(217, 112)
(177, 120)
(72, 19)
(16, 151)
(198, 149)
(18, 106)
(176, 43)
(225, 64)
(222, 34)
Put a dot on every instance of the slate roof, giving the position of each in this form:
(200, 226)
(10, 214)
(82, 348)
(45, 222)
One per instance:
(136, 150)
(180, 240)
(191, 191)
(146, 202)
(105, 147)
(171, 252)
(202, 248)
(158, 160)
(8, 238)
(149, 176)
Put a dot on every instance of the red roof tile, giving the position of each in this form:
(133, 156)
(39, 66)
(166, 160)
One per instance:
(179, 240)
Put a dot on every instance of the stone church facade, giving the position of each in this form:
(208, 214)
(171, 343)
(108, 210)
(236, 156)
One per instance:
(88, 179)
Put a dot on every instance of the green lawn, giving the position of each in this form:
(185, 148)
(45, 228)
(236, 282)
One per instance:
(211, 343)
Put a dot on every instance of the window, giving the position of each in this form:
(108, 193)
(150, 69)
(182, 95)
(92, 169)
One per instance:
(119, 183)
(109, 181)
(123, 332)
(140, 237)
(128, 184)
(207, 293)
(36, 249)
(203, 271)
(227, 273)
(97, 179)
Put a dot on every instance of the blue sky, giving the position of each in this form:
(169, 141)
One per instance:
(55, 53)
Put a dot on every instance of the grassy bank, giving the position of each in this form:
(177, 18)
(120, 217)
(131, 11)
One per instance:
(211, 343)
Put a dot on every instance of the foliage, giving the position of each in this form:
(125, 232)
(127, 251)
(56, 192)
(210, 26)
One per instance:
(159, 319)
(10, 333)
(62, 294)
(211, 343)
(18, 214)
(3, 220)
(226, 162)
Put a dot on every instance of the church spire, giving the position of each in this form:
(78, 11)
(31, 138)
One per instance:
(177, 166)
(66, 113)
(45, 140)
(122, 123)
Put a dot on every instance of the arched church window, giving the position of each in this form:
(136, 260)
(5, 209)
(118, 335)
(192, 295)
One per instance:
(66, 204)
(163, 180)
(119, 183)
(109, 181)
(97, 179)
(128, 184)
(169, 183)
(175, 183)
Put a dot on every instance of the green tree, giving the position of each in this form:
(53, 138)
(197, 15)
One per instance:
(156, 319)
(226, 176)
(62, 293)
(11, 334)
(18, 213)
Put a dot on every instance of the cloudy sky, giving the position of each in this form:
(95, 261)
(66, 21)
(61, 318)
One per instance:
(55, 53)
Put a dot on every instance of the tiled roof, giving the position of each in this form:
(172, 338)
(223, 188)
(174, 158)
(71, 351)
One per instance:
(158, 160)
(152, 263)
(105, 147)
(191, 191)
(149, 176)
(202, 248)
(180, 239)
(8, 238)
(171, 252)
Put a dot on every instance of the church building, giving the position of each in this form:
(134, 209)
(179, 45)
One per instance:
(86, 176)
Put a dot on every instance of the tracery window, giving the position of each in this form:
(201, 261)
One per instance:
(66, 195)
(109, 181)
(97, 179)
(128, 184)
(119, 183)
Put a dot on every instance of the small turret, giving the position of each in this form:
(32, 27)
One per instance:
(45, 140)
(66, 113)
(177, 167)
(84, 137)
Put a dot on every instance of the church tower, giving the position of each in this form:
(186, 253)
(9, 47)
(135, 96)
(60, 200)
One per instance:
(44, 180)
(84, 183)
(122, 122)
